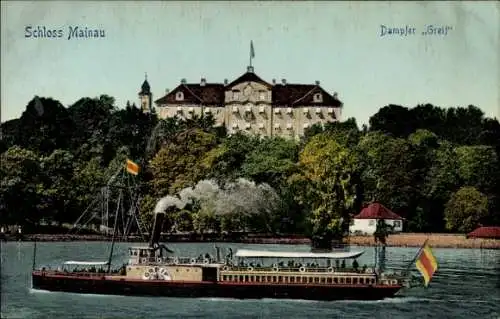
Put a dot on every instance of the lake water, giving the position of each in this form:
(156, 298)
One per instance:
(467, 285)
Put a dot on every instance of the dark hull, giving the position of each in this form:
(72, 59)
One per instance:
(108, 286)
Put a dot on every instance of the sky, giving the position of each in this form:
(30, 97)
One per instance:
(339, 44)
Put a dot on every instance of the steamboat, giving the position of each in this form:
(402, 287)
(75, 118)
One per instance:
(154, 270)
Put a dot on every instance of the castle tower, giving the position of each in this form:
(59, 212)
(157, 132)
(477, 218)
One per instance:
(145, 96)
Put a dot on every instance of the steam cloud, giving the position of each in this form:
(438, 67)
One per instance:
(240, 197)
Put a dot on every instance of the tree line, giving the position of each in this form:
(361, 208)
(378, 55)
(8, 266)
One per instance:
(436, 167)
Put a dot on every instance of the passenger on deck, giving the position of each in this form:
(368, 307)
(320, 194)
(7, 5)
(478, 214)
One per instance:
(355, 265)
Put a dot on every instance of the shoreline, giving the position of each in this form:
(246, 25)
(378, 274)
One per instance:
(396, 240)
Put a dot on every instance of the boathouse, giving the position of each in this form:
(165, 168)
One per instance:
(365, 223)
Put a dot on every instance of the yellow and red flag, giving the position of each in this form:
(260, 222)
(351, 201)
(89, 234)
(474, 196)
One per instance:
(426, 263)
(132, 167)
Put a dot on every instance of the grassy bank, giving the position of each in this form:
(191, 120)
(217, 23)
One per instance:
(397, 240)
(435, 240)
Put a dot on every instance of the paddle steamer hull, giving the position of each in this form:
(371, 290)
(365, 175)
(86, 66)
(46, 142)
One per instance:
(117, 285)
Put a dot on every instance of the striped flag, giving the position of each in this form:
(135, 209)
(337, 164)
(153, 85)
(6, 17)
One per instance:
(426, 264)
(132, 167)
(252, 52)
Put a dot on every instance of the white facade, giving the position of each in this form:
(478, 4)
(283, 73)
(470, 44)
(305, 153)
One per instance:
(368, 226)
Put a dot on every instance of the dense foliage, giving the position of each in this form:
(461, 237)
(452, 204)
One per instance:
(438, 168)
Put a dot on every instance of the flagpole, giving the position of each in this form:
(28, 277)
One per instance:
(415, 258)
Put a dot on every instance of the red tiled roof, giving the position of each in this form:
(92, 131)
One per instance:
(485, 232)
(301, 94)
(208, 94)
(285, 95)
(377, 211)
(249, 77)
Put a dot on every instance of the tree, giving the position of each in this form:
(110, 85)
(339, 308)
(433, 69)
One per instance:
(394, 120)
(271, 161)
(20, 180)
(324, 186)
(465, 209)
(178, 163)
(55, 190)
(389, 172)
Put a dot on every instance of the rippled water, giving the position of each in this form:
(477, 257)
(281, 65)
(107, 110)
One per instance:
(467, 285)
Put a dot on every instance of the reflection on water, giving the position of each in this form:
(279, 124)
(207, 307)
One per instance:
(465, 286)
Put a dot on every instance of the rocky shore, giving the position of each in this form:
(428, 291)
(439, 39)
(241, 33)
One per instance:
(397, 240)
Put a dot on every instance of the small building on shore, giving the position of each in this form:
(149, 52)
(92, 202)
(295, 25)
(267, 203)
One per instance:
(365, 223)
(491, 232)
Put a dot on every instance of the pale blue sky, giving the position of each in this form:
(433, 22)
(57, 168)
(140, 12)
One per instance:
(338, 44)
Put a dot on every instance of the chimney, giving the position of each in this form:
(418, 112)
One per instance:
(274, 81)
(250, 69)
(183, 81)
(316, 82)
(335, 95)
(166, 91)
(203, 82)
(226, 82)
(283, 81)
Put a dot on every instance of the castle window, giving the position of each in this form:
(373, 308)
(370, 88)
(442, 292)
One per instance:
(318, 98)
(179, 96)
(262, 95)
(236, 95)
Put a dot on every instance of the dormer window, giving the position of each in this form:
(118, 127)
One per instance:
(179, 96)
(318, 98)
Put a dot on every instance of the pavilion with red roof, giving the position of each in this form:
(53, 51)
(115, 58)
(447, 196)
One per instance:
(366, 221)
(491, 232)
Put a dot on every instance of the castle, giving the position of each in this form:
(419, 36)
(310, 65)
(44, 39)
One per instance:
(249, 104)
